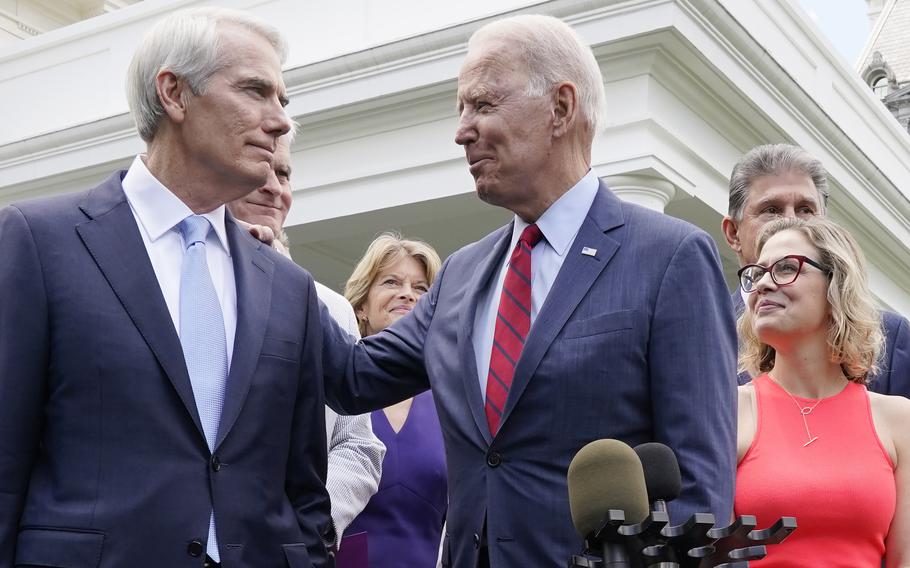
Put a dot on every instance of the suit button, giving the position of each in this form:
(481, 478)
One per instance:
(216, 463)
(494, 459)
(476, 540)
(195, 548)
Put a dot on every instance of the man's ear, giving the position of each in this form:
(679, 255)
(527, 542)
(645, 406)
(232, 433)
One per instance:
(565, 108)
(172, 92)
(731, 233)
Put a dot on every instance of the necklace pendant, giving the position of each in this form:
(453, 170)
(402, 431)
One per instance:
(810, 441)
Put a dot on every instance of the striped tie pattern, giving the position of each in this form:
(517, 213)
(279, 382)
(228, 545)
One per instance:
(202, 337)
(513, 321)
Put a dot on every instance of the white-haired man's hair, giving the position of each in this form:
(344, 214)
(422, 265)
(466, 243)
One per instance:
(188, 43)
(553, 53)
(292, 133)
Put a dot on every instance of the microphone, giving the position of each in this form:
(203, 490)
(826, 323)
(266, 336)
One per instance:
(604, 475)
(662, 477)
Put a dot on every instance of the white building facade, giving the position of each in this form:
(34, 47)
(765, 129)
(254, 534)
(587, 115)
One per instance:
(691, 85)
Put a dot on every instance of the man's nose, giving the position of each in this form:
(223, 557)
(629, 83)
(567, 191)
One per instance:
(271, 187)
(277, 122)
(466, 132)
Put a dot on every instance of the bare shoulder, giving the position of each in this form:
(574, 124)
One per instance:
(894, 409)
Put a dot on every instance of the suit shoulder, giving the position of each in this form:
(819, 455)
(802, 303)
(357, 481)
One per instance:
(660, 224)
(472, 251)
(893, 321)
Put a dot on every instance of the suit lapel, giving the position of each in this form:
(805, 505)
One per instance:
(575, 278)
(253, 276)
(480, 281)
(112, 238)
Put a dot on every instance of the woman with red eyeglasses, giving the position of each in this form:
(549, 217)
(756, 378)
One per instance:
(813, 443)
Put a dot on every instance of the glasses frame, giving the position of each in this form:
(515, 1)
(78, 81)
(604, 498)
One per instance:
(768, 270)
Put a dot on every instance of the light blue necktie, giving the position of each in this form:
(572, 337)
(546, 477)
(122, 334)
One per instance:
(202, 337)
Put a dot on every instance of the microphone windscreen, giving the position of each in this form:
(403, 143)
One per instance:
(662, 477)
(604, 475)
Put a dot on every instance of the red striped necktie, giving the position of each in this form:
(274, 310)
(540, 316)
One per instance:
(513, 321)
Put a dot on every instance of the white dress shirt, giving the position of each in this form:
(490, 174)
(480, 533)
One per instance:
(158, 213)
(559, 224)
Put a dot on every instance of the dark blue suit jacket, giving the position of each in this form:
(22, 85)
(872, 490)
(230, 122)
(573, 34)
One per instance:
(634, 343)
(893, 375)
(103, 462)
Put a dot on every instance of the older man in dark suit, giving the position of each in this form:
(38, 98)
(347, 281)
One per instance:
(584, 318)
(161, 401)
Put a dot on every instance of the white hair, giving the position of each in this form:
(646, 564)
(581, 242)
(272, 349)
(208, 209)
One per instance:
(189, 44)
(553, 53)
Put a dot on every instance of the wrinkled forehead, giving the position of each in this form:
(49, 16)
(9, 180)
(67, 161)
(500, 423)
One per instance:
(793, 188)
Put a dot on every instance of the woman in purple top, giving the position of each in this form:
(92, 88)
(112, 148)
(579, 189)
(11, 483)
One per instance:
(404, 519)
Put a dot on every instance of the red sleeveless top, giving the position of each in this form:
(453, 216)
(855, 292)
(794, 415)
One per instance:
(840, 487)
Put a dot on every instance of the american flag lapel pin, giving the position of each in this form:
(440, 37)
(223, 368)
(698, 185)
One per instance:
(588, 251)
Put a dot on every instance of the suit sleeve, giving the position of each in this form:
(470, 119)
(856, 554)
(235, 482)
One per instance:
(24, 355)
(384, 368)
(693, 377)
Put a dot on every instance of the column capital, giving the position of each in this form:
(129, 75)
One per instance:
(648, 191)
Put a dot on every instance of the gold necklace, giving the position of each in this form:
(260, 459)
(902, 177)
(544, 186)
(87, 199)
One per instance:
(803, 411)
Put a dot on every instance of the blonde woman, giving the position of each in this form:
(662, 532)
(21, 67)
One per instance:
(404, 519)
(813, 442)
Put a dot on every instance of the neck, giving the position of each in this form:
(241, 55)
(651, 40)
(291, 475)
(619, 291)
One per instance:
(806, 370)
(202, 189)
(556, 184)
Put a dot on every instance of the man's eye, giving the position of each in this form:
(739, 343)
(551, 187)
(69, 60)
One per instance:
(771, 211)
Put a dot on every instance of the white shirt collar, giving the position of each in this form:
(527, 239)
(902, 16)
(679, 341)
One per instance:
(562, 220)
(158, 209)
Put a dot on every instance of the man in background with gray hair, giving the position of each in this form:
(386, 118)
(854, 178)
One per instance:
(775, 181)
(584, 318)
(161, 400)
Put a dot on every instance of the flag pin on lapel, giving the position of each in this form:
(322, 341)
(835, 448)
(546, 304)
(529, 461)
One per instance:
(588, 251)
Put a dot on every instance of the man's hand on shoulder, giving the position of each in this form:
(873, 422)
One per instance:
(268, 236)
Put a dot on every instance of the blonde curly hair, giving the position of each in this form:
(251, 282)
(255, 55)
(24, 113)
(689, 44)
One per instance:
(854, 332)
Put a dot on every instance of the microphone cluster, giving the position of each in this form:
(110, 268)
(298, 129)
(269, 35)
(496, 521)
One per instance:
(617, 497)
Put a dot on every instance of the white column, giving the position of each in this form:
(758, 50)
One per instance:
(647, 191)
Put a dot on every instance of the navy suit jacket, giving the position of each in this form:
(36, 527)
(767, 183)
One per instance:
(103, 461)
(635, 343)
(893, 375)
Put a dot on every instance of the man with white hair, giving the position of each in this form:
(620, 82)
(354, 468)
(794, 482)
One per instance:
(584, 318)
(161, 401)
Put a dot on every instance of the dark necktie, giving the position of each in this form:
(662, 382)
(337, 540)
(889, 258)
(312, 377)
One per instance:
(513, 321)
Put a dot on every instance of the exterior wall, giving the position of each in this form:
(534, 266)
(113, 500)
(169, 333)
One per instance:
(691, 85)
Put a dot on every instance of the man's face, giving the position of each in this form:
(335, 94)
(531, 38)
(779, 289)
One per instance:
(269, 205)
(505, 133)
(230, 132)
(770, 197)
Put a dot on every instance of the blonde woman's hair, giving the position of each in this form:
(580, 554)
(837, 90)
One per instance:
(383, 252)
(854, 332)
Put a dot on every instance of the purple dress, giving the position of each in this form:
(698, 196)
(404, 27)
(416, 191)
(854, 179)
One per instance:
(404, 519)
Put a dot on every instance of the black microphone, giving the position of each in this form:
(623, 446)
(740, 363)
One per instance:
(607, 475)
(662, 477)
